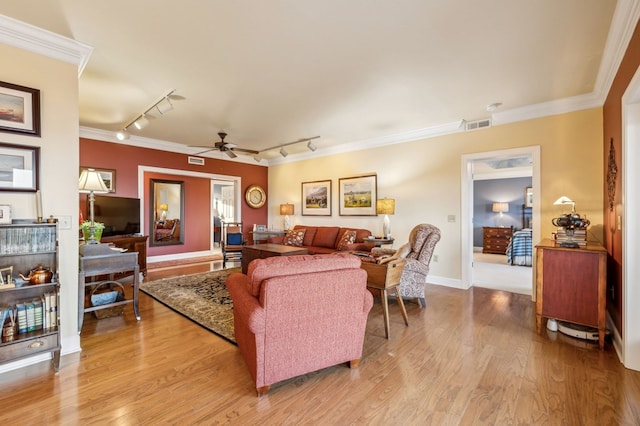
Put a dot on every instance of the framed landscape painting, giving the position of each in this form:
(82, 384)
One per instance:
(316, 198)
(19, 166)
(19, 109)
(358, 195)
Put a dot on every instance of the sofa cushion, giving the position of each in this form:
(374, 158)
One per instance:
(294, 237)
(310, 233)
(278, 266)
(326, 236)
(348, 237)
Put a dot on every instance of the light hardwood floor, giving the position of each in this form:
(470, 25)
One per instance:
(470, 357)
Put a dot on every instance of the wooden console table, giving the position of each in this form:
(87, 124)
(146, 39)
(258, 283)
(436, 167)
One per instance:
(385, 277)
(265, 235)
(100, 265)
(571, 285)
(137, 243)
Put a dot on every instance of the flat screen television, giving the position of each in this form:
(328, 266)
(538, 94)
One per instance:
(120, 215)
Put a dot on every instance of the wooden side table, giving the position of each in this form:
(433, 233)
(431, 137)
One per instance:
(386, 277)
(571, 285)
(99, 261)
(379, 241)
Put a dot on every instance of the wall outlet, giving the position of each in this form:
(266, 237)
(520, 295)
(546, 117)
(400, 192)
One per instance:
(451, 218)
(64, 222)
(435, 257)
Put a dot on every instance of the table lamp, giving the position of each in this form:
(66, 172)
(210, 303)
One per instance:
(286, 210)
(90, 181)
(163, 211)
(500, 208)
(386, 206)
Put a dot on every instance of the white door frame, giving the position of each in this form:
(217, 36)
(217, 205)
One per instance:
(466, 205)
(630, 345)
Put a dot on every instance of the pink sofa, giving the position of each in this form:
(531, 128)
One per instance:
(326, 239)
(298, 314)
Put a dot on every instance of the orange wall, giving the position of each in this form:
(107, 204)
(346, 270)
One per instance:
(125, 159)
(613, 130)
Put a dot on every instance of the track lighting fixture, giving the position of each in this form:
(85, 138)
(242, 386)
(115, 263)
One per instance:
(283, 152)
(141, 122)
(163, 106)
(311, 146)
(122, 135)
(257, 158)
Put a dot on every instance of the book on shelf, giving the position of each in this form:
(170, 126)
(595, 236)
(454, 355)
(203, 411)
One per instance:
(22, 317)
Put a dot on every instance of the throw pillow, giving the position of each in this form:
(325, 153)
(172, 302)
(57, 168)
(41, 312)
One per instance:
(349, 237)
(294, 237)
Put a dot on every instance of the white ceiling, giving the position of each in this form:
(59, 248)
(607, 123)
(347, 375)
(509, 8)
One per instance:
(359, 71)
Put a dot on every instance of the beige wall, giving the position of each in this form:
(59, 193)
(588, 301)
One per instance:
(58, 85)
(424, 177)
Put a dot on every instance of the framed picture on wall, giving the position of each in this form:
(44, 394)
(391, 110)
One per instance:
(528, 197)
(107, 175)
(358, 195)
(19, 109)
(316, 198)
(19, 168)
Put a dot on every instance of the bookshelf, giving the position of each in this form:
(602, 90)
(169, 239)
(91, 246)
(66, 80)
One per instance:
(25, 246)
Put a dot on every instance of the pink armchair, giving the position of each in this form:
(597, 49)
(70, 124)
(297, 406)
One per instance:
(298, 314)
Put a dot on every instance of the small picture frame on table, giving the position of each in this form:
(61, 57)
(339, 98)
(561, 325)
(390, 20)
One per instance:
(5, 214)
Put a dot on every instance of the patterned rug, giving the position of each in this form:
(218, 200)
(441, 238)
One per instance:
(203, 298)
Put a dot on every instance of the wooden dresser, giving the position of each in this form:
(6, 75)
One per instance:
(495, 240)
(571, 285)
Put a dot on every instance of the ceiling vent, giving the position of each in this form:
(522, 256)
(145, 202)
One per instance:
(476, 125)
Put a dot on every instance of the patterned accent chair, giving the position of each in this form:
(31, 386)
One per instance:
(418, 252)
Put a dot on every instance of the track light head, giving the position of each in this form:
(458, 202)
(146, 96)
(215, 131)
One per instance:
(122, 135)
(141, 122)
(164, 106)
(311, 146)
(257, 158)
(283, 152)
(230, 153)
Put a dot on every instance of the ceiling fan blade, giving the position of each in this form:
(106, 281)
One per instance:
(206, 150)
(248, 151)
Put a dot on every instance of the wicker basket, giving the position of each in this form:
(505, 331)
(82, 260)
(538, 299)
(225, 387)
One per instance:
(105, 289)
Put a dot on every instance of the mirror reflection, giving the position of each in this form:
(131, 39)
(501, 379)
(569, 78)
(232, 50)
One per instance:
(167, 208)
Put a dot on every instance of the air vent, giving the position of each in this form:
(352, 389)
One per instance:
(476, 125)
(196, 160)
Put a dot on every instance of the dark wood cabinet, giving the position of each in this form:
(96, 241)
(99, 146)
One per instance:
(495, 239)
(571, 285)
(133, 243)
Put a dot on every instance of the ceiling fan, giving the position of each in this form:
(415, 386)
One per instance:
(226, 147)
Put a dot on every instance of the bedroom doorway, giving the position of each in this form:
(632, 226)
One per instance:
(490, 272)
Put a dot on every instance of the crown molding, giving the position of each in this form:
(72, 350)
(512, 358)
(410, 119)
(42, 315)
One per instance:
(28, 37)
(142, 142)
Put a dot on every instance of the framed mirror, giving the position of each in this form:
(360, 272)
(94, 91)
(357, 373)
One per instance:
(166, 212)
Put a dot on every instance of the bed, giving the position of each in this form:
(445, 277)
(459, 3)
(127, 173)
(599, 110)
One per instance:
(520, 248)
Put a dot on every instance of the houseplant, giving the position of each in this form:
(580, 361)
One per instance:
(85, 227)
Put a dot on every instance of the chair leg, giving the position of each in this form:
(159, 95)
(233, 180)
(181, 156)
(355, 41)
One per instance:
(422, 302)
(354, 363)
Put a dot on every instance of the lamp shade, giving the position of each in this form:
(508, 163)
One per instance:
(564, 200)
(164, 207)
(90, 180)
(500, 207)
(286, 209)
(385, 206)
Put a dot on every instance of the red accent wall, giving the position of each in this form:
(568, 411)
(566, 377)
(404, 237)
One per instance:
(125, 160)
(612, 118)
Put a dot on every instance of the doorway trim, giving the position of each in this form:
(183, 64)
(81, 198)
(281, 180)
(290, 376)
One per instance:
(630, 206)
(466, 205)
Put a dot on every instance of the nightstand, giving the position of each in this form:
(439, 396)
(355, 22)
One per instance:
(496, 239)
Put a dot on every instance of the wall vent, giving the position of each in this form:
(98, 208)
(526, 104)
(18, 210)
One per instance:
(479, 124)
(196, 160)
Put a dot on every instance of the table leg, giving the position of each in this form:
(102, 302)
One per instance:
(402, 308)
(385, 312)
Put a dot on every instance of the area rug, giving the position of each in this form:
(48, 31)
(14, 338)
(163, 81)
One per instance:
(203, 298)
